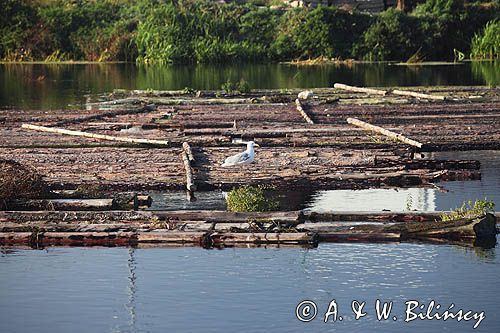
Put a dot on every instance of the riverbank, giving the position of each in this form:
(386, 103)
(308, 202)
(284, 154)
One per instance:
(210, 32)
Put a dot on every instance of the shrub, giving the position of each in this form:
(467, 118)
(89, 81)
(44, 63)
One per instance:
(250, 199)
(394, 36)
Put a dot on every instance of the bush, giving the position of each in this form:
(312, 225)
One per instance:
(324, 31)
(250, 199)
(394, 36)
(486, 44)
(16, 17)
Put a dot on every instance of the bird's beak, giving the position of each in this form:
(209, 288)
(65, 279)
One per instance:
(256, 145)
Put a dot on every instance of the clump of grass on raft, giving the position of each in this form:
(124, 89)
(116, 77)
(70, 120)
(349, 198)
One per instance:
(18, 181)
(250, 199)
(470, 210)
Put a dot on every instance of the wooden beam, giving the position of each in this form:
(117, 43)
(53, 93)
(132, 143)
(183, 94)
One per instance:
(418, 95)
(383, 131)
(359, 89)
(94, 136)
(302, 112)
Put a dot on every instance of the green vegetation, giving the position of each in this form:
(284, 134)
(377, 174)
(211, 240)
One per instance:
(250, 199)
(486, 45)
(203, 31)
(241, 87)
(470, 210)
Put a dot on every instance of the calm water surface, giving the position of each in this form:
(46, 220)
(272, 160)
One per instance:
(50, 86)
(251, 289)
(247, 290)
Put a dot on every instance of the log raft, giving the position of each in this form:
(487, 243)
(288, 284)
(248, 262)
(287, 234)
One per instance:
(132, 228)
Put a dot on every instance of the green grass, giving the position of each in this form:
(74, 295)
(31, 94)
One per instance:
(470, 210)
(486, 44)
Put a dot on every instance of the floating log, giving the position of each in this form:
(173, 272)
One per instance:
(170, 237)
(359, 89)
(125, 200)
(385, 132)
(120, 201)
(95, 136)
(287, 217)
(190, 186)
(302, 112)
(187, 148)
(61, 204)
(418, 95)
(483, 227)
(102, 115)
(228, 238)
(38, 239)
(349, 237)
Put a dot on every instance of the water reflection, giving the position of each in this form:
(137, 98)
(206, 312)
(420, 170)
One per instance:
(447, 196)
(49, 86)
(188, 289)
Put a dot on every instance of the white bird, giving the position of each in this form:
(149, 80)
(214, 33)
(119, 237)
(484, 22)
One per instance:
(245, 157)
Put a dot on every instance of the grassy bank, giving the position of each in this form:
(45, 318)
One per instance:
(187, 31)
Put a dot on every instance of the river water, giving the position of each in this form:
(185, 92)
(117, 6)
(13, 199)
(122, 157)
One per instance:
(250, 289)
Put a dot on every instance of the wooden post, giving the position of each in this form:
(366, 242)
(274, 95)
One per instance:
(94, 136)
(358, 89)
(303, 113)
(418, 95)
(383, 131)
(190, 186)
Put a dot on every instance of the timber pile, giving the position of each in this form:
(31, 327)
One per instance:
(328, 154)
(216, 228)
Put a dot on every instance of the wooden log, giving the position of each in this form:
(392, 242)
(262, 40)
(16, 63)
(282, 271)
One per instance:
(190, 186)
(358, 237)
(95, 136)
(103, 115)
(359, 89)
(61, 204)
(302, 112)
(125, 201)
(469, 228)
(383, 131)
(228, 238)
(189, 152)
(170, 237)
(68, 238)
(418, 95)
(180, 216)
(144, 200)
